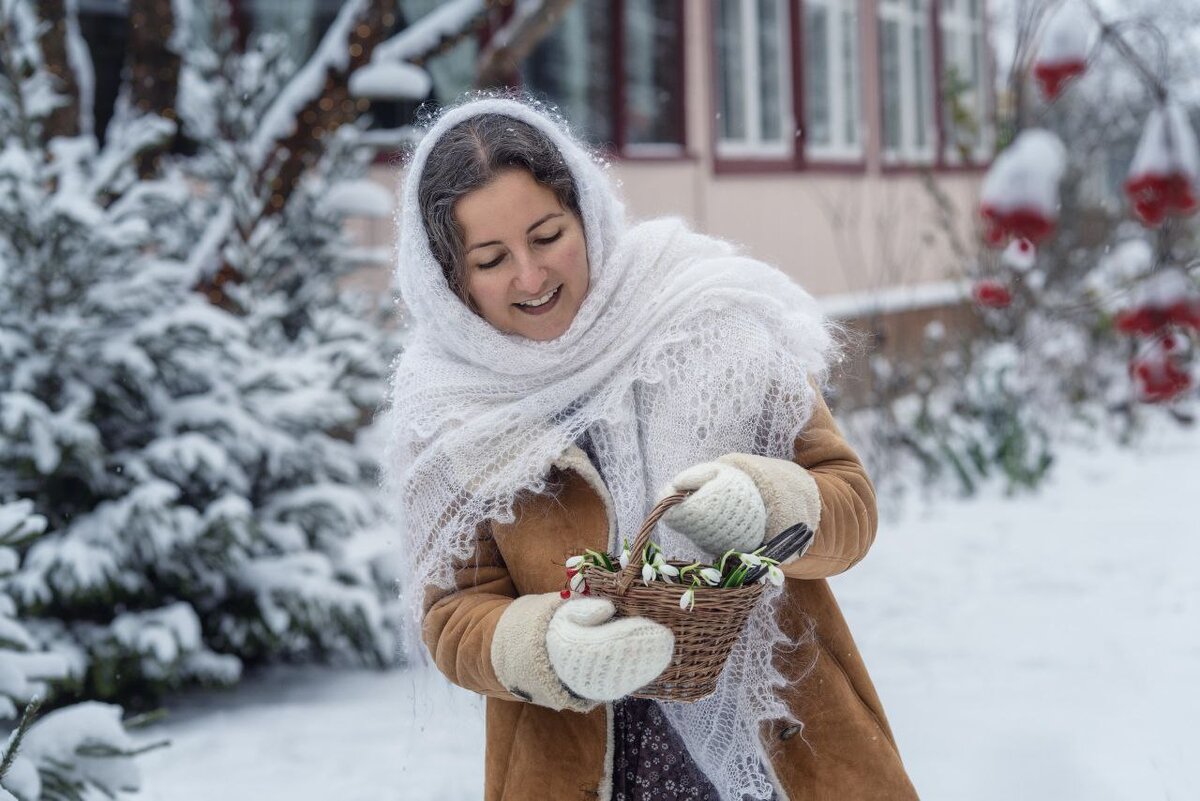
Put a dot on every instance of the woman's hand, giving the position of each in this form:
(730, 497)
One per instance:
(602, 659)
(724, 512)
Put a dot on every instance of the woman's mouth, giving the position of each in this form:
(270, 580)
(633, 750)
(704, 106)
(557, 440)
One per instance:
(543, 304)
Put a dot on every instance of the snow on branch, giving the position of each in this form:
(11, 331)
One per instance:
(532, 20)
(332, 55)
(433, 30)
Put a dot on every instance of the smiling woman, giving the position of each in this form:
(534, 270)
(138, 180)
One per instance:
(526, 266)
(564, 368)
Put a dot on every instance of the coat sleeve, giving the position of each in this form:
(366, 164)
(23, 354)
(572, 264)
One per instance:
(825, 486)
(848, 514)
(486, 638)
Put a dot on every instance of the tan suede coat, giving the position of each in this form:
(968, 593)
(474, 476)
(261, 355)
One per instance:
(844, 751)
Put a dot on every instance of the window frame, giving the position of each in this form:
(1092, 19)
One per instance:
(909, 154)
(752, 148)
(840, 151)
(619, 149)
(966, 27)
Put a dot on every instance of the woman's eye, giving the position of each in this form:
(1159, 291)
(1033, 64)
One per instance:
(492, 263)
(548, 240)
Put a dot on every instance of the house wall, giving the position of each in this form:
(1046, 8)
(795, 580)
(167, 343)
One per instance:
(837, 230)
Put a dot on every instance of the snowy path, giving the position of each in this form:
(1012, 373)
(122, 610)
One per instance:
(1036, 648)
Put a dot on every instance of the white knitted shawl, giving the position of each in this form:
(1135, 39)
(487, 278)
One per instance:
(683, 350)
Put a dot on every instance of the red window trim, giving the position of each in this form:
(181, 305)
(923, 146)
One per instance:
(799, 160)
(620, 150)
(939, 163)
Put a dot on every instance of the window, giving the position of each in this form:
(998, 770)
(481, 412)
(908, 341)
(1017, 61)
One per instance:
(615, 70)
(572, 67)
(906, 80)
(832, 97)
(753, 74)
(964, 85)
(653, 70)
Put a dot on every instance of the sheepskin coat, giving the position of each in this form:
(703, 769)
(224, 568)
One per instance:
(488, 636)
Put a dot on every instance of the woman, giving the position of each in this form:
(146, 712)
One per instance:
(563, 370)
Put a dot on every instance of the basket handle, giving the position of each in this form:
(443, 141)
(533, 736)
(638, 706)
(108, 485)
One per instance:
(634, 569)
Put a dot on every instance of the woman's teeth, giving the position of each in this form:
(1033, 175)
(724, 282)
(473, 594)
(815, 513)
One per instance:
(544, 299)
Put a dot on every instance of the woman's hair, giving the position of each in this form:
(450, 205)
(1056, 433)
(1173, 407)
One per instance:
(469, 156)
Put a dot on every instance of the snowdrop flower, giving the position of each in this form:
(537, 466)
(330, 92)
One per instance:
(774, 575)
(750, 560)
(663, 569)
(711, 575)
(687, 601)
(574, 562)
(577, 584)
(625, 557)
(647, 574)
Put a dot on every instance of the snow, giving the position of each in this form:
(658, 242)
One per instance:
(80, 58)
(425, 34)
(359, 198)
(1168, 145)
(57, 736)
(1026, 174)
(332, 54)
(1067, 37)
(1037, 647)
(391, 81)
(889, 300)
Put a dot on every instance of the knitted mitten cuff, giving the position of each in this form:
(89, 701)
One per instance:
(520, 658)
(788, 491)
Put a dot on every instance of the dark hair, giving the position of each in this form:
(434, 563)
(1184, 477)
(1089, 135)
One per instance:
(470, 156)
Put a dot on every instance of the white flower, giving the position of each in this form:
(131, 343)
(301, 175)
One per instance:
(577, 584)
(647, 574)
(666, 570)
(625, 557)
(574, 562)
(687, 601)
(775, 575)
(711, 575)
(750, 559)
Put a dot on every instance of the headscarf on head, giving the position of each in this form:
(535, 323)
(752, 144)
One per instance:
(683, 350)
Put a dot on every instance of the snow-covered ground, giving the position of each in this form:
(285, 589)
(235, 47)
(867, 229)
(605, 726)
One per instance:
(1043, 647)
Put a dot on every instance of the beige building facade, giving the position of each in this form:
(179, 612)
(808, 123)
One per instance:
(812, 132)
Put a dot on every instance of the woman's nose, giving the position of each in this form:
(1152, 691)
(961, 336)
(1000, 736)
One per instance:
(531, 274)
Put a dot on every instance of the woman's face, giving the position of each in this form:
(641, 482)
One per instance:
(526, 258)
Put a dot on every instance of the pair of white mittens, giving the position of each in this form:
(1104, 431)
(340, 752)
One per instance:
(601, 659)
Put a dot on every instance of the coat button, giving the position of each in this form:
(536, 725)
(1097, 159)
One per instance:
(790, 732)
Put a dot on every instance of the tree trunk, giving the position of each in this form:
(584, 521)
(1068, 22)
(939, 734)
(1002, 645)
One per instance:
(498, 64)
(64, 120)
(153, 68)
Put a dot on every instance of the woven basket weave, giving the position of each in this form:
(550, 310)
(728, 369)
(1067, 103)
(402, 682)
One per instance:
(704, 635)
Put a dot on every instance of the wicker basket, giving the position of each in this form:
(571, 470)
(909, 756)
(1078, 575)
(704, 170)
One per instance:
(704, 636)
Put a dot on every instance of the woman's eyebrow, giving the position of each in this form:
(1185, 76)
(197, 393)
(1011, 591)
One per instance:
(549, 216)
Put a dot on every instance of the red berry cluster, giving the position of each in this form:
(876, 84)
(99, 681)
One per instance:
(992, 294)
(1156, 195)
(1159, 370)
(1019, 223)
(1052, 77)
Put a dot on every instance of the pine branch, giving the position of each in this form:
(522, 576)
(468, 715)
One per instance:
(31, 710)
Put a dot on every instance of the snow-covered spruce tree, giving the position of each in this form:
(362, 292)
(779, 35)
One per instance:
(181, 401)
(71, 751)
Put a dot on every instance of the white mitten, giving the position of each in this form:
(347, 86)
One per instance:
(603, 659)
(725, 511)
